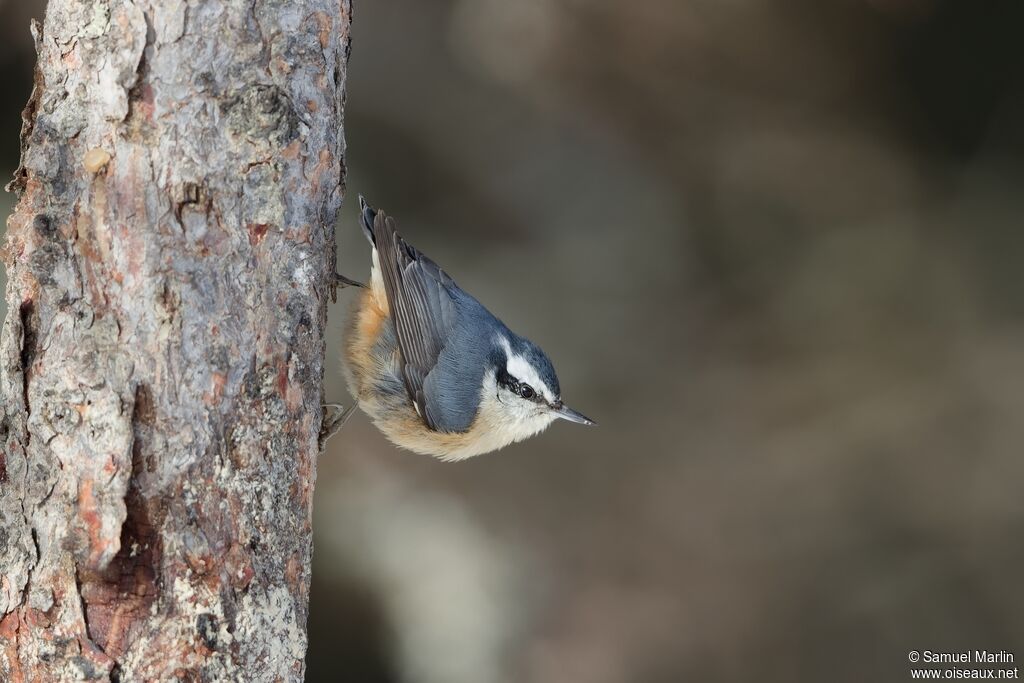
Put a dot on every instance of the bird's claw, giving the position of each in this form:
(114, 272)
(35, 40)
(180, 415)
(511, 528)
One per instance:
(334, 418)
(342, 281)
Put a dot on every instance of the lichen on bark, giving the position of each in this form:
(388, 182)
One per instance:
(161, 363)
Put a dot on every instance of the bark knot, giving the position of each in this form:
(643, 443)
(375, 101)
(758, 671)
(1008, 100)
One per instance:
(262, 113)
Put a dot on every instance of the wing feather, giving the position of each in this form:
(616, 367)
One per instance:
(421, 307)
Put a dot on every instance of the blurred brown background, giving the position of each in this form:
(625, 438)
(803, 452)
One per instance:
(774, 248)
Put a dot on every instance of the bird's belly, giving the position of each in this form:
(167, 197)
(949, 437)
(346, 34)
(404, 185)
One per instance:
(389, 407)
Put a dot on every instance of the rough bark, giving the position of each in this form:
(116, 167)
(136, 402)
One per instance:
(161, 362)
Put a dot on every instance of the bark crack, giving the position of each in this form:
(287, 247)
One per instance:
(26, 313)
(136, 93)
(35, 545)
(29, 340)
(28, 114)
(85, 610)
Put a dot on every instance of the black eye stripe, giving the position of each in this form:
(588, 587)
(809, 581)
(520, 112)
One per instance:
(521, 389)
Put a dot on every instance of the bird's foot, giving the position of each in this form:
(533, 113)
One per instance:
(342, 281)
(334, 418)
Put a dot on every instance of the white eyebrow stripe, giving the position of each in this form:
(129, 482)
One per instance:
(518, 367)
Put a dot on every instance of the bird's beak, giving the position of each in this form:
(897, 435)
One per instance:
(567, 413)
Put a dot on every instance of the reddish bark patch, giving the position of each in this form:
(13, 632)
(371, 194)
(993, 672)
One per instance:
(291, 152)
(324, 161)
(324, 23)
(293, 570)
(239, 566)
(144, 104)
(282, 378)
(9, 626)
(257, 231)
(300, 234)
(88, 512)
(217, 382)
(118, 599)
(35, 618)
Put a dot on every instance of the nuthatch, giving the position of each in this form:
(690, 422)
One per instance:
(434, 369)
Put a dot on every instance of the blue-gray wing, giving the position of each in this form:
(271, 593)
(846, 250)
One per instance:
(431, 326)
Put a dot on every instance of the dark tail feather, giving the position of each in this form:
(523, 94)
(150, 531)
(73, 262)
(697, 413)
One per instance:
(367, 213)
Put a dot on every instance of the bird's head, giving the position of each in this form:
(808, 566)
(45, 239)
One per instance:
(526, 394)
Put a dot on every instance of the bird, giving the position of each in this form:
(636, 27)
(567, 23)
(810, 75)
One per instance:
(435, 371)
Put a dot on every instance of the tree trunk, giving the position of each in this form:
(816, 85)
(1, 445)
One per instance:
(161, 363)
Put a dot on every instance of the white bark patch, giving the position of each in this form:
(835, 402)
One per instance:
(98, 21)
(169, 20)
(84, 415)
(269, 631)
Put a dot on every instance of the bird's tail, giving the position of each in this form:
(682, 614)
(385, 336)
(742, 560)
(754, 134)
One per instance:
(367, 214)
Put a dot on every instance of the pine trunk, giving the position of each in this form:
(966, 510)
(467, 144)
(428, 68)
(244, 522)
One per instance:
(161, 363)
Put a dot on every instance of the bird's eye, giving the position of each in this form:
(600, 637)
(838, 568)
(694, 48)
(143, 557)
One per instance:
(526, 391)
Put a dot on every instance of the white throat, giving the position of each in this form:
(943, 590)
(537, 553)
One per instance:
(504, 418)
